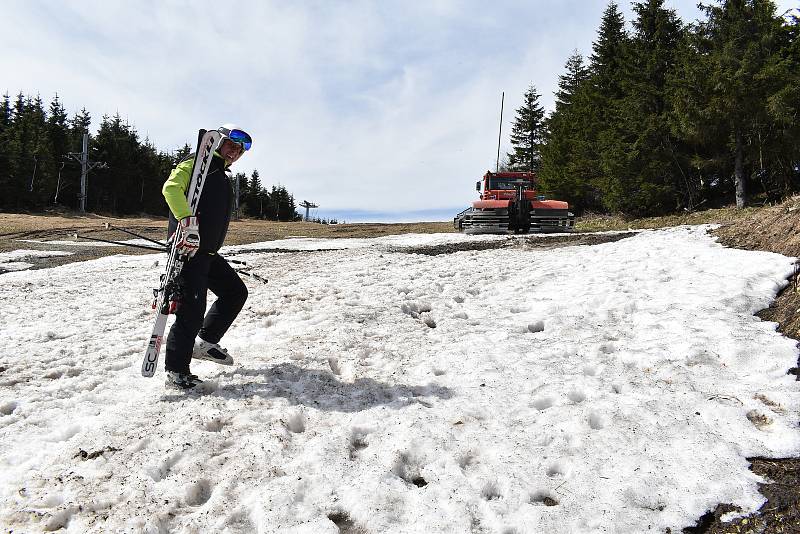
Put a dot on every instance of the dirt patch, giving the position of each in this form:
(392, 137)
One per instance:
(781, 512)
(26, 231)
(772, 229)
(42, 232)
(528, 242)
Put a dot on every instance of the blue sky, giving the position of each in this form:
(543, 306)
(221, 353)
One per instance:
(386, 107)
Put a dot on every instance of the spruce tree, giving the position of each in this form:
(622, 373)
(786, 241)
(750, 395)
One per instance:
(608, 54)
(607, 66)
(42, 178)
(727, 87)
(255, 196)
(5, 164)
(646, 176)
(21, 152)
(182, 153)
(58, 133)
(567, 162)
(527, 134)
(783, 108)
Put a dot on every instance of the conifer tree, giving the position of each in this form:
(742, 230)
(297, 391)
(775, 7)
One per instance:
(182, 153)
(646, 174)
(117, 145)
(21, 147)
(609, 53)
(527, 134)
(566, 160)
(254, 196)
(783, 109)
(722, 102)
(5, 164)
(58, 133)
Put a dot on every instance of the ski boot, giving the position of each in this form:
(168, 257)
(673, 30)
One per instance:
(205, 350)
(182, 381)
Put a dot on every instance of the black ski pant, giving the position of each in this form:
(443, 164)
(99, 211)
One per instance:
(202, 272)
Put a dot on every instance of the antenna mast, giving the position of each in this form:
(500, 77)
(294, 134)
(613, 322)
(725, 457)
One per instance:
(499, 135)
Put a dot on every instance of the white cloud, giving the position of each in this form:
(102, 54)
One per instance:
(362, 105)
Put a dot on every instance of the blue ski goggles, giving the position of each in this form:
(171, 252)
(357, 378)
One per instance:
(241, 138)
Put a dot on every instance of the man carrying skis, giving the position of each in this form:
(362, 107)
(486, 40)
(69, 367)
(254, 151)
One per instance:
(199, 237)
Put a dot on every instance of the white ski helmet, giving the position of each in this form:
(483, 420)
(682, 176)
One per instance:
(236, 134)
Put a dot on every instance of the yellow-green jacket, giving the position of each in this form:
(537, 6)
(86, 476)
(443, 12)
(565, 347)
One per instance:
(214, 208)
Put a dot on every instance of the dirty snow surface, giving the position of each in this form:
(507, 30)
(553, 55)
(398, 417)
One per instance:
(10, 261)
(610, 388)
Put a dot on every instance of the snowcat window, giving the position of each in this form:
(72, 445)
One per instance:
(501, 184)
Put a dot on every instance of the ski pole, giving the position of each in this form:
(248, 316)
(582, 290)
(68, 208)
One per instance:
(252, 275)
(166, 249)
(146, 247)
(110, 226)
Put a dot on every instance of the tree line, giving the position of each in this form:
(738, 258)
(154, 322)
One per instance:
(666, 116)
(663, 116)
(37, 173)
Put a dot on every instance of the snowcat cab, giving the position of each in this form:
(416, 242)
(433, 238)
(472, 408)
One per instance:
(509, 203)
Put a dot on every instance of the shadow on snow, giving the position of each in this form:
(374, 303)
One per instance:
(323, 390)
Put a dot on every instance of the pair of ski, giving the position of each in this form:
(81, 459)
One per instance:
(208, 142)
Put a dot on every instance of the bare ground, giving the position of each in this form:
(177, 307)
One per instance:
(774, 229)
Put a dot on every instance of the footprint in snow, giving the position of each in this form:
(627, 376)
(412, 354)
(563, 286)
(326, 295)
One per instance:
(491, 491)
(296, 422)
(428, 321)
(544, 402)
(408, 466)
(164, 467)
(466, 460)
(590, 370)
(415, 309)
(438, 370)
(7, 408)
(357, 441)
(597, 421)
(558, 468)
(543, 496)
(577, 396)
(537, 326)
(344, 523)
(215, 424)
(198, 493)
(607, 348)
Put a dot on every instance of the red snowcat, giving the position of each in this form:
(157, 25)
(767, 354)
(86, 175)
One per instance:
(509, 203)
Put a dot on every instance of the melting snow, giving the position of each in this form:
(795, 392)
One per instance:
(611, 388)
